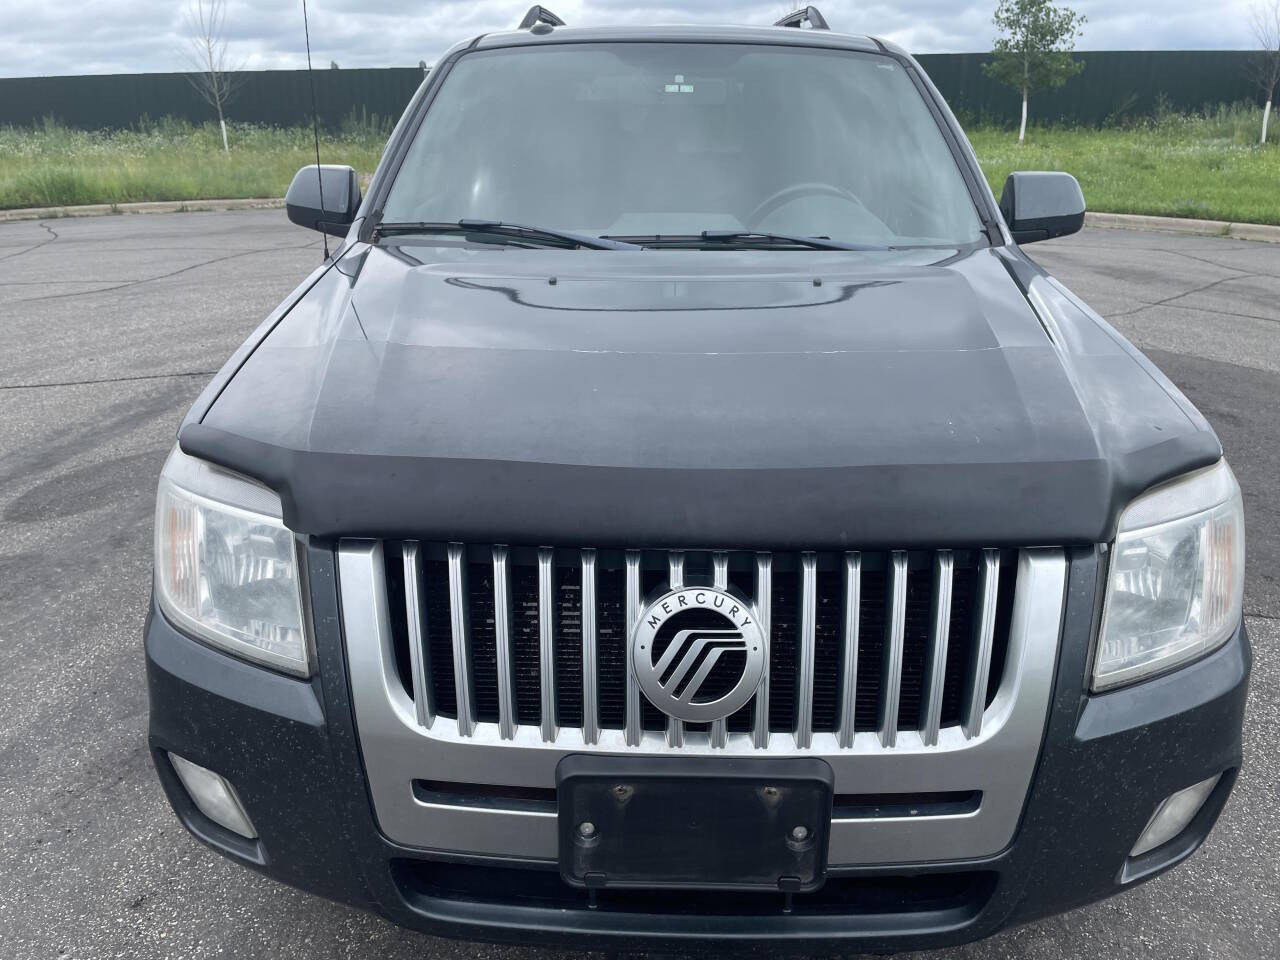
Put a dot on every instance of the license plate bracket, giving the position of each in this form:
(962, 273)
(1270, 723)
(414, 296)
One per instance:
(704, 823)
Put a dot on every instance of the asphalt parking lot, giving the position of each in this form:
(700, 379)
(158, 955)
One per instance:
(111, 327)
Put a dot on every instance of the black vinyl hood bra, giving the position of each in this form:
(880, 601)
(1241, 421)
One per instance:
(661, 398)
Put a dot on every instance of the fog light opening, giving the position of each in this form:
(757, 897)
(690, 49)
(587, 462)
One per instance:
(214, 797)
(1174, 815)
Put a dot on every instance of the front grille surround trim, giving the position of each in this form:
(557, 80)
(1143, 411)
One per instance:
(998, 763)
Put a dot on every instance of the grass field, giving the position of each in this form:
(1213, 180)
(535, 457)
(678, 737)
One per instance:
(54, 166)
(1207, 166)
(1210, 167)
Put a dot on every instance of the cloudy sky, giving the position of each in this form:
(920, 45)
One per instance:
(51, 37)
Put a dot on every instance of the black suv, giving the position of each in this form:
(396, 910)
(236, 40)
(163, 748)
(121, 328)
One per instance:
(679, 513)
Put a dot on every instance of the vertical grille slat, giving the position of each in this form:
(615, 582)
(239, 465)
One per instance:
(419, 654)
(502, 643)
(675, 569)
(461, 634)
(808, 640)
(675, 580)
(720, 571)
(943, 577)
(546, 643)
(590, 704)
(764, 603)
(496, 638)
(720, 580)
(852, 596)
(895, 632)
(985, 622)
(634, 602)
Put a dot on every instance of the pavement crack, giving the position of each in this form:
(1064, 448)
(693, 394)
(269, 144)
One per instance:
(53, 235)
(47, 283)
(1163, 251)
(1170, 301)
(1207, 286)
(1178, 306)
(162, 276)
(1220, 266)
(85, 383)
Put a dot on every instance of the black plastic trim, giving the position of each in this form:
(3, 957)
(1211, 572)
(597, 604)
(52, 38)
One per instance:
(810, 15)
(290, 749)
(859, 806)
(1187, 842)
(539, 14)
(336, 494)
(211, 834)
(486, 796)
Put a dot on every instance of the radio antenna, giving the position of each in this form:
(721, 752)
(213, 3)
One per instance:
(315, 122)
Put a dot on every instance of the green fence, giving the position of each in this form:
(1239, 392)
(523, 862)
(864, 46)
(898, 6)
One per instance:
(1114, 83)
(274, 97)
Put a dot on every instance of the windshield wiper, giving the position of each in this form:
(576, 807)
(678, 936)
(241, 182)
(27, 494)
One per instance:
(748, 238)
(813, 243)
(509, 231)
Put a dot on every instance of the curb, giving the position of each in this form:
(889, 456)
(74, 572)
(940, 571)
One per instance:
(1263, 233)
(1201, 228)
(152, 206)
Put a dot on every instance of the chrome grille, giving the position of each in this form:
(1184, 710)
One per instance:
(860, 642)
(405, 740)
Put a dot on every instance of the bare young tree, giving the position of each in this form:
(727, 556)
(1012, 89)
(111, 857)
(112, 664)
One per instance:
(215, 77)
(1266, 65)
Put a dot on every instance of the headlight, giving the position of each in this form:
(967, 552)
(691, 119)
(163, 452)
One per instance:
(1176, 588)
(226, 566)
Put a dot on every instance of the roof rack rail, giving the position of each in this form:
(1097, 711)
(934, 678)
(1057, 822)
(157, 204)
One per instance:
(539, 14)
(810, 15)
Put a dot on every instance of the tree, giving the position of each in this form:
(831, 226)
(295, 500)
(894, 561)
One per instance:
(1266, 65)
(215, 77)
(1034, 49)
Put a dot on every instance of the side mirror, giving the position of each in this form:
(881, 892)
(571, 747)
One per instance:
(340, 189)
(1040, 206)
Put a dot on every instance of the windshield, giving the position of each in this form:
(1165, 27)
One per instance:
(673, 139)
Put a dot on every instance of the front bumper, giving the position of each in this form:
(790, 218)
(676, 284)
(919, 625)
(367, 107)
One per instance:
(291, 750)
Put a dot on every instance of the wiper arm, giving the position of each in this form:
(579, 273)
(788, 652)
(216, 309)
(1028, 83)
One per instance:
(814, 243)
(512, 231)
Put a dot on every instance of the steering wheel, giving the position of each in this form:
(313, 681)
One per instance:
(798, 191)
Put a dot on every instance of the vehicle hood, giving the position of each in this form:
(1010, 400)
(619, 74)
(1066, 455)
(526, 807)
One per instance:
(727, 398)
